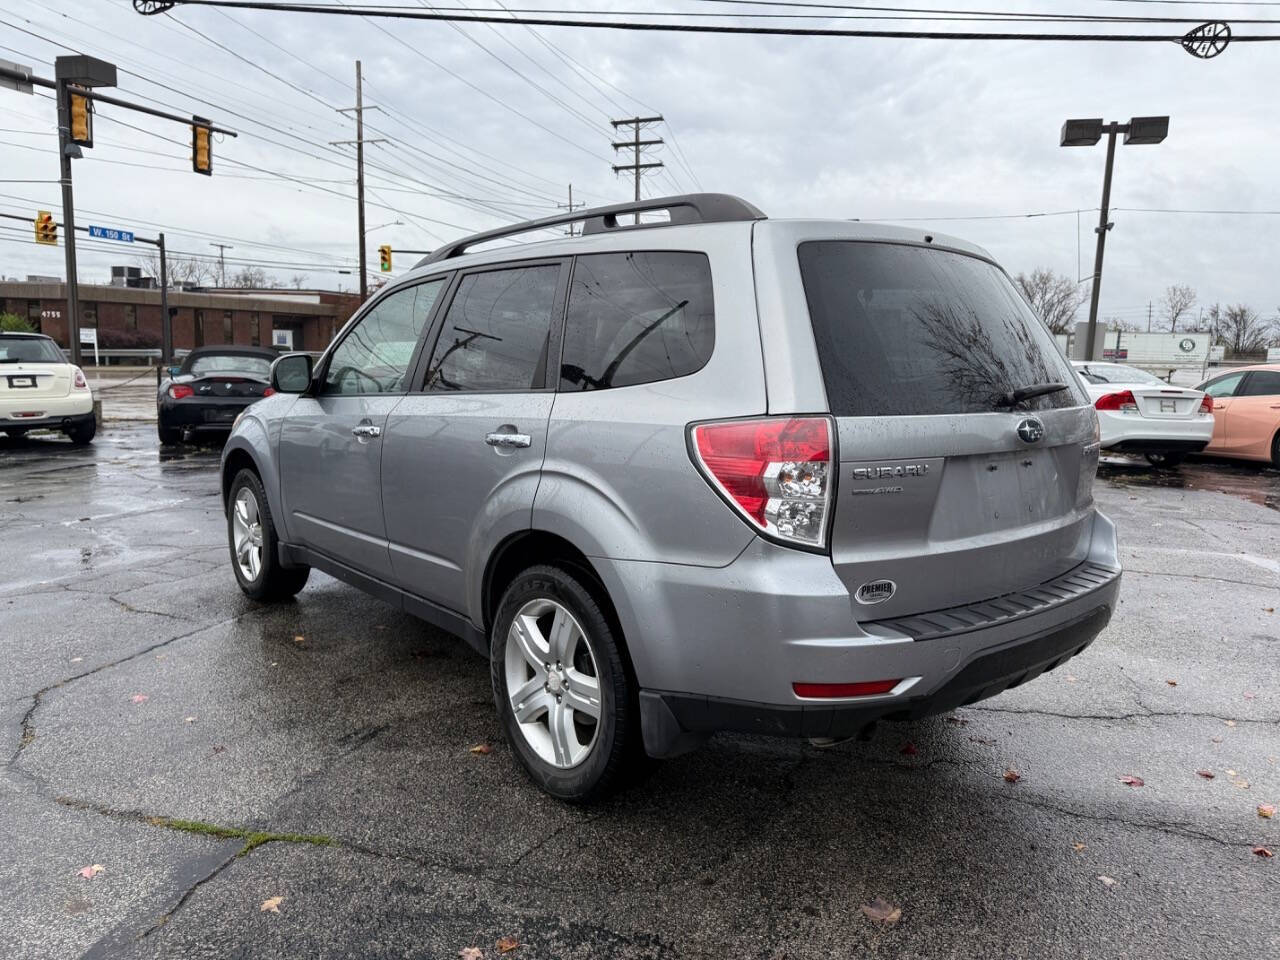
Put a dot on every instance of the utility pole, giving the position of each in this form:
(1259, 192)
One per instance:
(1148, 316)
(222, 261)
(359, 143)
(166, 321)
(570, 206)
(637, 124)
(65, 151)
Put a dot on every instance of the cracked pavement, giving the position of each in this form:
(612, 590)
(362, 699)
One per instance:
(117, 586)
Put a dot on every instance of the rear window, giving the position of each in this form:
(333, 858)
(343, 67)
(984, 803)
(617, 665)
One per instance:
(215, 363)
(910, 331)
(637, 318)
(30, 350)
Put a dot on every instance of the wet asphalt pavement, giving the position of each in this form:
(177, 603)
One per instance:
(153, 718)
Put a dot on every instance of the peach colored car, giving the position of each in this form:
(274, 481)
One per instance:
(1246, 413)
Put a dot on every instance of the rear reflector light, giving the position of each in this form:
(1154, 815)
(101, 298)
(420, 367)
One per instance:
(1206, 404)
(269, 392)
(776, 471)
(868, 688)
(180, 390)
(1122, 401)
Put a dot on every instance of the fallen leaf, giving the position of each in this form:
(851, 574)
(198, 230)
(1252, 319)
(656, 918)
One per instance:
(1215, 739)
(1249, 695)
(139, 698)
(188, 719)
(1231, 773)
(1229, 723)
(271, 905)
(1266, 810)
(92, 871)
(958, 721)
(1207, 774)
(1106, 881)
(1012, 776)
(507, 944)
(882, 911)
(1132, 781)
(1268, 609)
(1172, 683)
(909, 749)
(1263, 852)
(1071, 678)
(482, 749)
(471, 953)
(219, 748)
(299, 639)
(1078, 847)
(77, 659)
(1240, 782)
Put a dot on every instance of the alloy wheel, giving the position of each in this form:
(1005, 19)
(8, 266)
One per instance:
(246, 534)
(552, 683)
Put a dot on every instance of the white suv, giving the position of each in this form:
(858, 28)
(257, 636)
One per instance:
(39, 389)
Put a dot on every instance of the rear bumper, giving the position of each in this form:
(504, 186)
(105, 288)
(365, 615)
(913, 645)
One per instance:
(720, 648)
(65, 422)
(1129, 432)
(75, 406)
(213, 415)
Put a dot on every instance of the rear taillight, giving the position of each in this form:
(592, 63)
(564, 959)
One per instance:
(269, 392)
(867, 688)
(81, 383)
(1122, 401)
(1206, 404)
(776, 471)
(180, 390)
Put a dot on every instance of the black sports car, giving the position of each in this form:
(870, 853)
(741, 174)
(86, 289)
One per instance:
(210, 388)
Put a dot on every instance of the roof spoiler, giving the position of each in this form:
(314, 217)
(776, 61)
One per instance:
(687, 208)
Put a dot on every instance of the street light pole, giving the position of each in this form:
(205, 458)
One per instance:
(1086, 133)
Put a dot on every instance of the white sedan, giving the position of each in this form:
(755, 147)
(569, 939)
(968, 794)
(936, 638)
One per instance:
(40, 390)
(1140, 413)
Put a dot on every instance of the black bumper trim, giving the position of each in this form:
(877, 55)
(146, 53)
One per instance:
(1158, 446)
(985, 676)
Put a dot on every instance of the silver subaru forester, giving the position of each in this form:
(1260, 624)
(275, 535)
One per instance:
(717, 472)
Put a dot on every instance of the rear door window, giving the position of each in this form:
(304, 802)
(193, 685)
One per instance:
(910, 331)
(1261, 383)
(1223, 386)
(497, 331)
(637, 317)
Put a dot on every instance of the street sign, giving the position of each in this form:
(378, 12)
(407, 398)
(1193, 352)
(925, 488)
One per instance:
(111, 233)
(13, 83)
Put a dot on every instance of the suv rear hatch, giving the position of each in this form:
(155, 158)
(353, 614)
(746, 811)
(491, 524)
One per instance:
(32, 368)
(947, 492)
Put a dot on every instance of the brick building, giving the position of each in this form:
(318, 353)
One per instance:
(129, 317)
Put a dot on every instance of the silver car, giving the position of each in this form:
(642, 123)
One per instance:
(783, 477)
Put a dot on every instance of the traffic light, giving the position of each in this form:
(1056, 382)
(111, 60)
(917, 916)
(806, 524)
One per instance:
(81, 118)
(201, 146)
(384, 257)
(46, 228)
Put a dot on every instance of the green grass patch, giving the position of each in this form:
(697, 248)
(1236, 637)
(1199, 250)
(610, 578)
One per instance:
(252, 838)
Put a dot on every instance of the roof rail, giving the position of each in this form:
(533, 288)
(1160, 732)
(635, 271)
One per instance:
(686, 208)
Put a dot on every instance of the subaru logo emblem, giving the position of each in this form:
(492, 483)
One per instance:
(1031, 430)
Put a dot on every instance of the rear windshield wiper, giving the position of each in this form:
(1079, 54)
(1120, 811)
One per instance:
(1029, 392)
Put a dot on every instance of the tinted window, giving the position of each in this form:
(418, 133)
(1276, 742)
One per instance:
(903, 330)
(1116, 373)
(637, 318)
(496, 333)
(1261, 383)
(1223, 386)
(231, 363)
(374, 355)
(29, 350)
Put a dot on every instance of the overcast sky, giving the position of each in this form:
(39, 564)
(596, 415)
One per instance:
(867, 128)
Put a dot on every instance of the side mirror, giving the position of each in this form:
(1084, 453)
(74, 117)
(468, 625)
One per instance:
(291, 373)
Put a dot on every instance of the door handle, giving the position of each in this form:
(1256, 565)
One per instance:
(366, 431)
(508, 439)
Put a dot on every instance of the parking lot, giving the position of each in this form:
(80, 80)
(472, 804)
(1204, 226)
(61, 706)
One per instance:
(303, 780)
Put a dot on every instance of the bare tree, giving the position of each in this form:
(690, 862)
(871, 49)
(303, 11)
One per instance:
(298, 279)
(1055, 299)
(252, 278)
(186, 270)
(1176, 303)
(1241, 329)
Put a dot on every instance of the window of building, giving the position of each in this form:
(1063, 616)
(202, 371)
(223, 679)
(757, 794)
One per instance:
(130, 316)
(228, 328)
(637, 318)
(33, 314)
(497, 331)
(255, 329)
(197, 334)
(89, 315)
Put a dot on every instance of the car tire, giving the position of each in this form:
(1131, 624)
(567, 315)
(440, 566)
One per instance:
(592, 673)
(1168, 459)
(1275, 451)
(169, 436)
(253, 542)
(83, 433)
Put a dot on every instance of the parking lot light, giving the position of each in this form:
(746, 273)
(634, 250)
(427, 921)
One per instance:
(1086, 133)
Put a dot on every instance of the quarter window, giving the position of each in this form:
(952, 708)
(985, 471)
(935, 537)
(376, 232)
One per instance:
(374, 355)
(637, 318)
(1261, 383)
(497, 331)
(1223, 386)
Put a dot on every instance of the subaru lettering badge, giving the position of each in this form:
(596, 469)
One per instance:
(1031, 430)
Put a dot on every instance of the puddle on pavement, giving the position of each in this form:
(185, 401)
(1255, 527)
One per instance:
(1252, 482)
